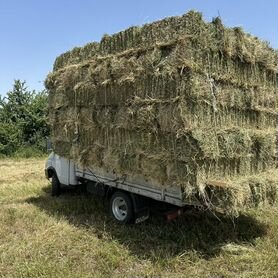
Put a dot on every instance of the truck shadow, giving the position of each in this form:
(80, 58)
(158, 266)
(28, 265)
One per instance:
(154, 239)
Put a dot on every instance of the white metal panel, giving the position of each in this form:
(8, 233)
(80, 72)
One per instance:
(62, 169)
(169, 195)
(72, 175)
(65, 169)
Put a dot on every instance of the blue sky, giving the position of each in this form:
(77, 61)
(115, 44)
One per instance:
(34, 32)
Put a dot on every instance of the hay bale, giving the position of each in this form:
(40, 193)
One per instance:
(178, 102)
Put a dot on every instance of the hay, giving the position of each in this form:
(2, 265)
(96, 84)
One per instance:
(178, 102)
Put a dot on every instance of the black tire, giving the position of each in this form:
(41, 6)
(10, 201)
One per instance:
(55, 186)
(121, 208)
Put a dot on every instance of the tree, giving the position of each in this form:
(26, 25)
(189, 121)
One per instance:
(23, 119)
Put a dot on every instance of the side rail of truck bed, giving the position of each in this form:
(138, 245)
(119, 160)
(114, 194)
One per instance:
(172, 195)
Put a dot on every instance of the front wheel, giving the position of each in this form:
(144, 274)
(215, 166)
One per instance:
(55, 186)
(121, 208)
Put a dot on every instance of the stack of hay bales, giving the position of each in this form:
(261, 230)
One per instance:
(179, 102)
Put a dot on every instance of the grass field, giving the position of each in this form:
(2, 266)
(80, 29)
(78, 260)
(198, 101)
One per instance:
(73, 236)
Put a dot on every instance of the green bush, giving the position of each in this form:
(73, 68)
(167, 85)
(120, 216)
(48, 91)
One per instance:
(28, 152)
(23, 122)
(9, 138)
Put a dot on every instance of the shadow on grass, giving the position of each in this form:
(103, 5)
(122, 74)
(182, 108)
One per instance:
(154, 239)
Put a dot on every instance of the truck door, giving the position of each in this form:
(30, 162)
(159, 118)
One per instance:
(62, 169)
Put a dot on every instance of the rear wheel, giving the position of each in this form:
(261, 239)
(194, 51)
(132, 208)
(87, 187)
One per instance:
(55, 186)
(121, 208)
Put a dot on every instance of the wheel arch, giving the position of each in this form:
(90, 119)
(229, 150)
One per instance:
(51, 171)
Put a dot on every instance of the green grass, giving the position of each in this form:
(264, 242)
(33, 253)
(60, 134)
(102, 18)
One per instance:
(73, 236)
(28, 152)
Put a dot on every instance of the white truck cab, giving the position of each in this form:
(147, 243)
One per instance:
(62, 167)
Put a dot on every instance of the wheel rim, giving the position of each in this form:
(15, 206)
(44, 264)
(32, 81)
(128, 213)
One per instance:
(119, 208)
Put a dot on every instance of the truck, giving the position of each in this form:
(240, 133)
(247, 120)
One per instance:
(129, 199)
(173, 111)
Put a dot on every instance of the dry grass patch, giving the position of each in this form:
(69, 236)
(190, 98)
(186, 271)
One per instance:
(73, 236)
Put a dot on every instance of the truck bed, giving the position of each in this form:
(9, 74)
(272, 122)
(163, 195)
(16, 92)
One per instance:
(137, 185)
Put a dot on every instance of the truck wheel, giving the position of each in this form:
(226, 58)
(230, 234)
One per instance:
(121, 208)
(55, 186)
